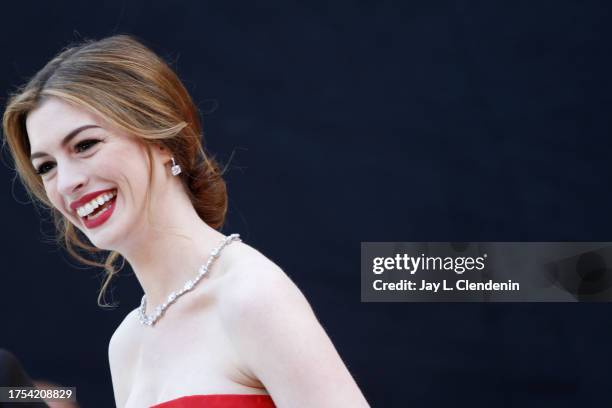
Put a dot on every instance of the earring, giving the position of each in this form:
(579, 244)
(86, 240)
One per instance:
(176, 169)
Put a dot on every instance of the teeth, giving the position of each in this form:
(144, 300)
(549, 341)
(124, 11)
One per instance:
(93, 217)
(88, 208)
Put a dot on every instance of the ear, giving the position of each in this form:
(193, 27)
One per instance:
(163, 153)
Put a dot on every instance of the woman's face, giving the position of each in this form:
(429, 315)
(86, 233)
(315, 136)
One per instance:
(93, 174)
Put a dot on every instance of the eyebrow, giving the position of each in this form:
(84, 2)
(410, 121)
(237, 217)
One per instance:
(66, 139)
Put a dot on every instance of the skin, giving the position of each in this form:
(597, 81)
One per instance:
(244, 329)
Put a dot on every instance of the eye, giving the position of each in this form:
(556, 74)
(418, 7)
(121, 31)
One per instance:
(43, 168)
(85, 145)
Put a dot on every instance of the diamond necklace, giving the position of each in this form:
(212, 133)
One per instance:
(190, 284)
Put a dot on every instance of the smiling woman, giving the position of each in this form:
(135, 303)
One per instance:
(107, 137)
(114, 84)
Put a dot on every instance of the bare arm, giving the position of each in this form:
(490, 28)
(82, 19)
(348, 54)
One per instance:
(280, 339)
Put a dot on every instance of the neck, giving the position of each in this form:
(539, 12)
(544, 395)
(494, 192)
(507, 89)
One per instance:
(165, 255)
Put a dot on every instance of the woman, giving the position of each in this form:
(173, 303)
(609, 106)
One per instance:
(108, 138)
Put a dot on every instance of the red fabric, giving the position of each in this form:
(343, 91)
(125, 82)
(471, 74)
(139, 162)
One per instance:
(220, 401)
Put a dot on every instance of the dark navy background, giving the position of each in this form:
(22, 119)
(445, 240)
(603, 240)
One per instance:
(351, 122)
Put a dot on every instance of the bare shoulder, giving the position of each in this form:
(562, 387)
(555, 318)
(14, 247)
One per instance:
(252, 282)
(257, 295)
(121, 349)
(123, 339)
(279, 338)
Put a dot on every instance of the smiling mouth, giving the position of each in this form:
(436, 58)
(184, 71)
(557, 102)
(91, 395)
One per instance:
(98, 206)
(100, 210)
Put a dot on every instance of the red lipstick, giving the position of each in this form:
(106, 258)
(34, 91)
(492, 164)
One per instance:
(102, 217)
(87, 198)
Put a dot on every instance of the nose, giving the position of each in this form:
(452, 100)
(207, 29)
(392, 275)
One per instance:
(71, 179)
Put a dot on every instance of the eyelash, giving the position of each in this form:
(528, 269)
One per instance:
(88, 143)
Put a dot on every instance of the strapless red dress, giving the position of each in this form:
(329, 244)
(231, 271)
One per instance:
(220, 401)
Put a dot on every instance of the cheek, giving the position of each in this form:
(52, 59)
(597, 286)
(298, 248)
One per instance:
(127, 169)
(118, 167)
(123, 159)
(56, 199)
(52, 194)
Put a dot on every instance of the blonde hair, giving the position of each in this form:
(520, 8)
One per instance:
(127, 84)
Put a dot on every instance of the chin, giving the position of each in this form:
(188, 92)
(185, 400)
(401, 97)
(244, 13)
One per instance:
(105, 230)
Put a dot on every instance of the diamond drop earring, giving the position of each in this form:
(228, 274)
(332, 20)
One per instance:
(176, 169)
